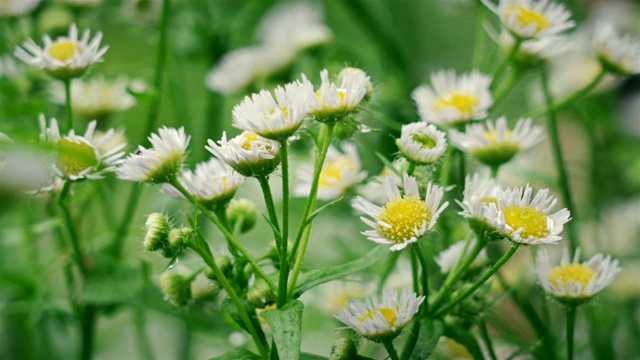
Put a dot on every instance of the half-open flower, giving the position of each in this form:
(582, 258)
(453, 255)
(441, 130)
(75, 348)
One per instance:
(331, 102)
(421, 143)
(248, 153)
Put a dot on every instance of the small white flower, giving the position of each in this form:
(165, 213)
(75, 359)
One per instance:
(159, 164)
(275, 119)
(536, 52)
(298, 25)
(11, 8)
(331, 103)
(95, 98)
(339, 173)
(452, 99)
(66, 57)
(403, 218)
(448, 258)
(524, 220)
(381, 320)
(248, 153)
(495, 144)
(529, 19)
(573, 282)
(421, 143)
(213, 183)
(620, 54)
(479, 190)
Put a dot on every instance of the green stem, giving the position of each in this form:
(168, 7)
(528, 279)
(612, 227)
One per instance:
(506, 87)
(563, 181)
(67, 93)
(571, 323)
(88, 328)
(478, 50)
(487, 339)
(271, 208)
(477, 284)
(494, 171)
(411, 168)
(425, 276)
(284, 243)
(121, 233)
(445, 170)
(393, 355)
(144, 348)
(71, 230)
(505, 62)
(414, 273)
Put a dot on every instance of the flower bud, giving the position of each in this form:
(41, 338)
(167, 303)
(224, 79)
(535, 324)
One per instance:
(244, 212)
(177, 241)
(204, 289)
(223, 262)
(260, 294)
(176, 288)
(343, 348)
(157, 232)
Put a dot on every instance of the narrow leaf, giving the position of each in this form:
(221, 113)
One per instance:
(388, 164)
(285, 325)
(430, 331)
(237, 355)
(318, 210)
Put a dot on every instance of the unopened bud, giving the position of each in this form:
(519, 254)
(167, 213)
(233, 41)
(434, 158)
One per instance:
(244, 212)
(223, 262)
(177, 240)
(204, 289)
(176, 288)
(157, 232)
(343, 348)
(260, 294)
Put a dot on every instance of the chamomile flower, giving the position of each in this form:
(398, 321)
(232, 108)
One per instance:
(525, 220)
(529, 19)
(339, 172)
(403, 218)
(11, 8)
(275, 119)
(81, 156)
(381, 320)
(620, 54)
(448, 258)
(248, 153)
(479, 190)
(421, 143)
(496, 144)
(213, 183)
(331, 102)
(452, 100)
(159, 164)
(298, 25)
(66, 57)
(572, 282)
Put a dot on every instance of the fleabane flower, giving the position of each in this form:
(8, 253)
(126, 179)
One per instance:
(275, 119)
(403, 218)
(619, 54)
(494, 144)
(331, 103)
(212, 184)
(248, 153)
(161, 163)
(339, 172)
(525, 220)
(572, 282)
(11, 8)
(81, 156)
(454, 99)
(448, 258)
(66, 57)
(298, 25)
(421, 143)
(479, 190)
(528, 19)
(381, 320)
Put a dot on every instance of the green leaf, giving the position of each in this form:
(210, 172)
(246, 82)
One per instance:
(465, 338)
(320, 276)
(388, 164)
(112, 285)
(285, 325)
(318, 210)
(430, 331)
(237, 355)
(307, 356)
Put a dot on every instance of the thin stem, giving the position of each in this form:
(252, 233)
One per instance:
(393, 355)
(563, 181)
(506, 87)
(67, 94)
(411, 169)
(425, 275)
(505, 62)
(478, 50)
(71, 230)
(142, 340)
(121, 233)
(268, 200)
(284, 243)
(88, 328)
(445, 170)
(477, 284)
(487, 339)
(414, 272)
(571, 323)
(494, 171)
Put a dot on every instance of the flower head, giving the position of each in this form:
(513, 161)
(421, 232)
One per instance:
(381, 320)
(298, 25)
(248, 153)
(403, 218)
(529, 19)
(536, 52)
(161, 163)
(421, 143)
(66, 57)
(572, 282)
(620, 54)
(10, 8)
(339, 173)
(479, 190)
(525, 220)
(452, 99)
(496, 144)
(448, 258)
(332, 103)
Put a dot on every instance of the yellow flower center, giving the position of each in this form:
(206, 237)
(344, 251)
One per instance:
(403, 215)
(388, 314)
(75, 157)
(248, 139)
(332, 171)
(532, 222)
(462, 102)
(425, 141)
(63, 50)
(571, 272)
(527, 17)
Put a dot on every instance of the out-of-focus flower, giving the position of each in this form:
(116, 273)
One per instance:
(340, 172)
(619, 54)
(11, 8)
(96, 98)
(448, 258)
(298, 25)
(529, 19)
(66, 57)
(248, 153)
(9, 67)
(536, 52)
(421, 143)
(22, 168)
(479, 190)
(404, 218)
(451, 99)
(332, 103)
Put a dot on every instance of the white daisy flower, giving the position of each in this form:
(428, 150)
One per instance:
(421, 143)
(404, 218)
(213, 183)
(81, 156)
(275, 119)
(331, 103)
(524, 220)
(529, 19)
(620, 54)
(536, 52)
(339, 173)
(381, 320)
(298, 25)
(159, 164)
(573, 282)
(448, 258)
(452, 99)
(13, 8)
(479, 190)
(95, 98)
(66, 57)
(248, 153)
(494, 143)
